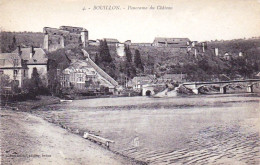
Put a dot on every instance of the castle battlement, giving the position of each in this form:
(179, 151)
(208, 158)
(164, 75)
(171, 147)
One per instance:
(56, 38)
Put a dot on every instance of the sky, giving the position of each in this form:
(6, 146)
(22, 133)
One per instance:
(198, 20)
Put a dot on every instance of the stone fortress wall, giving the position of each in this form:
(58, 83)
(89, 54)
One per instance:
(64, 36)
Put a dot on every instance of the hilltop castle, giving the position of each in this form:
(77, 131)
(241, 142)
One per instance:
(64, 36)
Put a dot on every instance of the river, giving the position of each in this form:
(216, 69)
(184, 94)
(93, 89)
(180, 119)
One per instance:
(211, 129)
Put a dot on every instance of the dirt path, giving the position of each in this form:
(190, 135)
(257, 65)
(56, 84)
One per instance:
(27, 139)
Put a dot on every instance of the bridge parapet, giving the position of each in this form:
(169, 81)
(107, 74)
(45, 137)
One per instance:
(195, 86)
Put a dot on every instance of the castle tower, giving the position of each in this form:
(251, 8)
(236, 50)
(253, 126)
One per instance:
(216, 51)
(84, 38)
(62, 44)
(203, 47)
(46, 42)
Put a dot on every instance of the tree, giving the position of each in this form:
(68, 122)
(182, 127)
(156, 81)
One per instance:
(15, 61)
(104, 52)
(138, 61)
(150, 64)
(36, 80)
(4, 80)
(128, 54)
(130, 69)
(104, 59)
(8, 42)
(13, 46)
(97, 61)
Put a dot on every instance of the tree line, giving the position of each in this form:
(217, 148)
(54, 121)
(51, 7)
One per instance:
(130, 67)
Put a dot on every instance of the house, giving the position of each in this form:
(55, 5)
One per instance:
(111, 41)
(142, 44)
(227, 56)
(138, 82)
(33, 58)
(171, 42)
(11, 65)
(85, 74)
(94, 42)
(120, 49)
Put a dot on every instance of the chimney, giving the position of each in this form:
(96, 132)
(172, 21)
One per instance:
(32, 52)
(19, 50)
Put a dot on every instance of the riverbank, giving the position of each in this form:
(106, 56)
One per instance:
(27, 139)
(28, 105)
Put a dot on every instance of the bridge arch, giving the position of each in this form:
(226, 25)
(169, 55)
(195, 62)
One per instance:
(148, 91)
(250, 86)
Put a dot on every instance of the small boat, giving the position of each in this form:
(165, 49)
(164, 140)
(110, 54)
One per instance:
(65, 100)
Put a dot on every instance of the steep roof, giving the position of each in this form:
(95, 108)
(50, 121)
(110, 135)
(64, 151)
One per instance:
(111, 40)
(10, 60)
(142, 80)
(39, 56)
(175, 77)
(171, 40)
(80, 66)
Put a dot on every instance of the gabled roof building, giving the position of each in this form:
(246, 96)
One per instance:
(33, 58)
(171, 42)
(12, 66)
(85, 74)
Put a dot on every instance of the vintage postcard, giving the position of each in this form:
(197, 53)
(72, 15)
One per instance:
(107, 82)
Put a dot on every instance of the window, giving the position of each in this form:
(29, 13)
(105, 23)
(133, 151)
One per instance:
(16, 82)
(16, 62)
(15, 72)
(24, 73)
(80, 77)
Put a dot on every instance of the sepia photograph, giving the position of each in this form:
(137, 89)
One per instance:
(130, 82)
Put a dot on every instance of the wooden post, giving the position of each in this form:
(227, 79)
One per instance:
(97, 139)
(250, 88)
(223, 90)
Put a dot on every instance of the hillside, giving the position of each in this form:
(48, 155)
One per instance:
(21, 38)
(205, 66)
(162, 60)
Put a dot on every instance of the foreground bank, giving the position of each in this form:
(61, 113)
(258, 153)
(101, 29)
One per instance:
(27, 139)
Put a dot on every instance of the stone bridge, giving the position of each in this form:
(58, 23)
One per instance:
(196, 86)
(148, 90)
